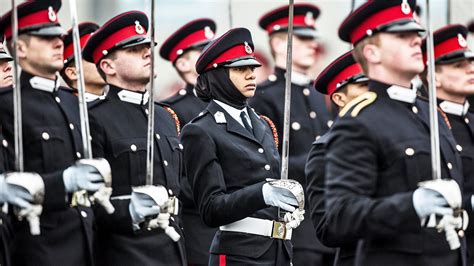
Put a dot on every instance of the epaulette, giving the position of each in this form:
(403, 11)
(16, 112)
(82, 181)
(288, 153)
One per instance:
(175, 117)
(199, 116)
(357, 104)
(273, 128)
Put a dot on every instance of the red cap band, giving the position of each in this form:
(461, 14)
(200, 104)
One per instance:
(232, 53)
(447, 47)
(191, 39)
(69, 50)
(113, 39)
(298, 21)
(382, 17)
(348, 72)
(38, 18)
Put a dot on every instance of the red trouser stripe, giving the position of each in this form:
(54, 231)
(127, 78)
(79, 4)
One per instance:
(221, 260)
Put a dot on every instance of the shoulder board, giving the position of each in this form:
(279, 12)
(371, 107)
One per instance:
(272, 127)
(199, 116)
(175, 117)
(358, 103)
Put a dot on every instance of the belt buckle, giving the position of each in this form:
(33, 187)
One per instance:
(279, 230)
(80, 198)
(171, 206)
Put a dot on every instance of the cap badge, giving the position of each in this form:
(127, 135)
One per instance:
(179, 52)
(309, 19)
(462, 42)
(208, 33)
(51, 14)
(248, 49)
(138, 28)
(276, 27)
(406, 7)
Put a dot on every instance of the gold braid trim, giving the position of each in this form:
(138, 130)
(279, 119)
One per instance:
(175, 117)
(445, 117)
(273, 128)
(359, 102)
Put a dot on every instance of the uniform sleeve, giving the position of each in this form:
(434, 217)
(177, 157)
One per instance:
(353, 211)
(216, 205)
(315, 178)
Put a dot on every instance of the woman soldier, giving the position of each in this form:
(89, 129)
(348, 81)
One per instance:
(232, 160)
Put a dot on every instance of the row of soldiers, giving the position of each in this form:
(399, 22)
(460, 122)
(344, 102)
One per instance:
(361, 175)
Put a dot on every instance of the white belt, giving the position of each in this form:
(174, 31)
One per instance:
(259, 227)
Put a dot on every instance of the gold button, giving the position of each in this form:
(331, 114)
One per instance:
(57, 99)
(459, 148)
(71, 126)
(146, 111)
(78, 154)
(165, 162)
(409, 151)
(450, 166)
(312, 114)
(466, 120)
(267, 167)
(45, 135)
(158, 136)
(181, 146)
(317, 137)
(182, 92)
(84, 214)
(5, 143)
(272, 77)
(260, 150)
(170, 192)
(133, 147)
(414, 109)
(296, 126)
(306, 92)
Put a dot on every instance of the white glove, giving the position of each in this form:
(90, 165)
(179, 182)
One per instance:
(279, 197)
(427, 201)
(15, 195)
(82, 177)
(163, 221)
(294, 219)
(141, 206)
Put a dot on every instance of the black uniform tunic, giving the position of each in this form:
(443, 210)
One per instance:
(198, 235)
(119, 134)
(51, 142)
(375, 161)
(227, 167)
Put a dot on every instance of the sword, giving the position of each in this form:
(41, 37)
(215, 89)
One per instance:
(286, 115)
(17, 115)
(151, 102)
(229, 7)
(447, 188)
(168, 205)
(102, 195)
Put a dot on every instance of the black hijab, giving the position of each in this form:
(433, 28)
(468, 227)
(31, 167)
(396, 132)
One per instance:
(216, 84)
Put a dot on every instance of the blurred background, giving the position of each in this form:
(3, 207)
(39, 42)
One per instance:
(172, 14)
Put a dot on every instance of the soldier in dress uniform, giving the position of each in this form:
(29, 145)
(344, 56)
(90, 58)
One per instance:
(121, 51)
(310, 118)
(454, 69)
(51, 134)
(8, 193)
(229, 152)
(470, 98)
(94, 83)
(379, 150)
(182, 49)
(343, 81)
